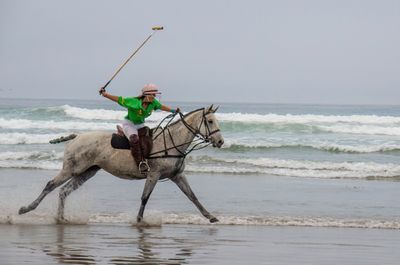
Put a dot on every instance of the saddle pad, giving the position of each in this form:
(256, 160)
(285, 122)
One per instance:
(119, 142)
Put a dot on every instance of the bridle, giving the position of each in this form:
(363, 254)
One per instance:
(202, 141)
(197, 132)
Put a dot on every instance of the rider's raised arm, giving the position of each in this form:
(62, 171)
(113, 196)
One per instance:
(109, 96)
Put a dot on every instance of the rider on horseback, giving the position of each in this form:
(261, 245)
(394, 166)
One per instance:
(139, 108)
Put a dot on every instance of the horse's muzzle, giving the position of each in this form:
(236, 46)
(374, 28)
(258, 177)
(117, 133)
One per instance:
(218, 144)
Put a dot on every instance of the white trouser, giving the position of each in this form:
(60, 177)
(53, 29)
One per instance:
(130, 128)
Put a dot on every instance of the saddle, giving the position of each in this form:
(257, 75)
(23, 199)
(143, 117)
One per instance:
(119, 140)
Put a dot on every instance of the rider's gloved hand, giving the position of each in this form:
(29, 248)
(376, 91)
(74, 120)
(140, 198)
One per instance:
(177, 110)
(102, 91)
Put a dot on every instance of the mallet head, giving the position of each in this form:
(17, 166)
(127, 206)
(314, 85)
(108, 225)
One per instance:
(157, 28)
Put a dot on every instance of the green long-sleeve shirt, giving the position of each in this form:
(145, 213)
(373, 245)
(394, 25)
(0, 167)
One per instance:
(136, 112)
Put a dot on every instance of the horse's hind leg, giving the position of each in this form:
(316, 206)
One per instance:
(61, 178)
(183, 184)
(72, 185)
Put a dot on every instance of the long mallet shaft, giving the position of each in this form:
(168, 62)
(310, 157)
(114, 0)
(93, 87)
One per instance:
(155, 29)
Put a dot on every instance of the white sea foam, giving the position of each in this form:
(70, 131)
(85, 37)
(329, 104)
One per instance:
(157, 219)
(361, 129)
(54, 125)
(31, 159)
(17, 138)
(358, 147)
(31, 155)
(34, 218)
(151, 218)
(295, 168)
(84, 113)
(99, 119)
(103, 114)
(23, 124)
(31, 165)
(356, 124)
(93, 114)
(308, 118)
(281, 167)
(283, 221)
(26, 138)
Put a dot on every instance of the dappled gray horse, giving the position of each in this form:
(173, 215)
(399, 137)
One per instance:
(89, 152)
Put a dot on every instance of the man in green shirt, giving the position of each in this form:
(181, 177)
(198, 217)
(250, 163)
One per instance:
(139, 108)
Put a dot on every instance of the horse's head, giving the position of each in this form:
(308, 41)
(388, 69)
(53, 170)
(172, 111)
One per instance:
(209, 130)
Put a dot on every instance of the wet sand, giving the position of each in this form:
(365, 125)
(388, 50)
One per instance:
(106, 207)
(196, 244)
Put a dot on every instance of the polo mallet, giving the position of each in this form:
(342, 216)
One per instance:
(155, 29)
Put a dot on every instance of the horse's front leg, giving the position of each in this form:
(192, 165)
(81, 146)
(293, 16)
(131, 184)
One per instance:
(151, 182)
(183, 184)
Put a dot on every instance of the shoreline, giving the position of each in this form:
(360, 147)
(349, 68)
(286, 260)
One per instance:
(275, 202)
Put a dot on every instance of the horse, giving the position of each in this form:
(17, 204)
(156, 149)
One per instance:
(85, 154)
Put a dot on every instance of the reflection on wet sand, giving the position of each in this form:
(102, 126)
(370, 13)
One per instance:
(147, 245)
(64, 253)
(136, 245)
(190, 244)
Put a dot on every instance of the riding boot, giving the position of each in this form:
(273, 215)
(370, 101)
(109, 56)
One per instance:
(136, 152)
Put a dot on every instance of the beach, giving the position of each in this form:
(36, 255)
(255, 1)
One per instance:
(327, 223)
(195, 244)
(279, 120)
(293, 184)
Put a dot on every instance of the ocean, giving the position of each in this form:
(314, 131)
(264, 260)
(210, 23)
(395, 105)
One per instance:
(313, 168)
(361, 142)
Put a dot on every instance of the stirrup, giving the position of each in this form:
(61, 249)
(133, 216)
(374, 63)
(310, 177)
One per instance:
(144, 166)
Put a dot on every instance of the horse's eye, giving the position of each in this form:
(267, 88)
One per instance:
(210, 121)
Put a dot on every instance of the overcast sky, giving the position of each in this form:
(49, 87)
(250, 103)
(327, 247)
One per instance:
(343, 52)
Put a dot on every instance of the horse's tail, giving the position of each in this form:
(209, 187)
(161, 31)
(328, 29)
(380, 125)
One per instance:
(63, 139)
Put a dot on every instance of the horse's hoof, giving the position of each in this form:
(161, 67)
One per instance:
(61, 221)
(23, 210)
(139, 219)
(214, 220)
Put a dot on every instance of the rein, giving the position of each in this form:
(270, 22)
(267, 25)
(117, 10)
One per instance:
(201, 139)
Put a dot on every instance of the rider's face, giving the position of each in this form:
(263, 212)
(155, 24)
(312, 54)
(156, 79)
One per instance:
(149, 98)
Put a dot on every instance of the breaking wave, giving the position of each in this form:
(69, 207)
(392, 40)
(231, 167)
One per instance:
(247, 134)
(329, 147)
(49, 160)
(294, 168)
(76, 118)
(26, 138)
(23, 124)
(52, 160)
(19, 138)
(104, 114)
(308, 118)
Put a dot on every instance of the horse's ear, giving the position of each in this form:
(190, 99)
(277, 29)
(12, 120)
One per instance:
(210, 109)
(215, 110)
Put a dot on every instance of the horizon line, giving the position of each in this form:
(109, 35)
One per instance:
(219, 102)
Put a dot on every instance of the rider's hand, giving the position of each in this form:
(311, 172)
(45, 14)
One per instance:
(174, 111)
(102, 91)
